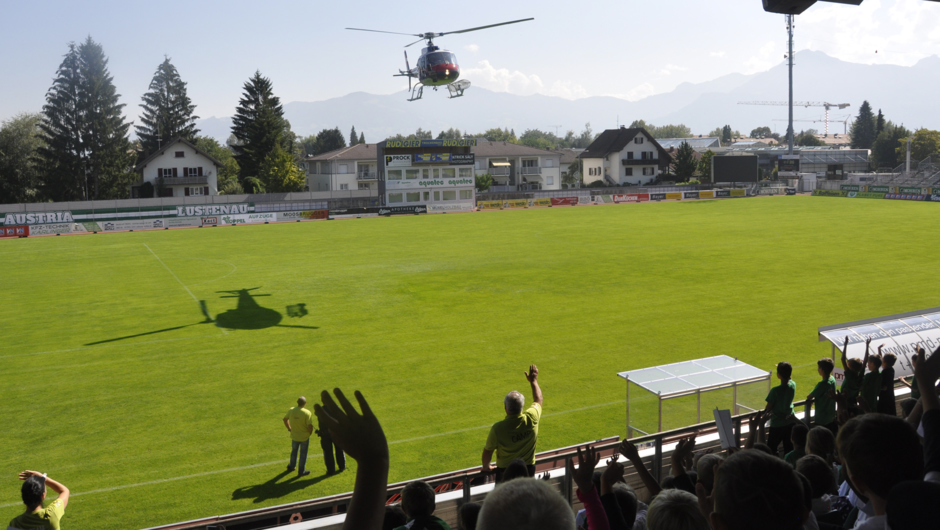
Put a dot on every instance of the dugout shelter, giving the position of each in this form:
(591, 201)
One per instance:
(661, 398)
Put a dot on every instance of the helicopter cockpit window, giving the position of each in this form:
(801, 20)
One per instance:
(441, 58)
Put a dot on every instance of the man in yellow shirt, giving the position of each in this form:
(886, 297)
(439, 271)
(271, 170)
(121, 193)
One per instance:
(515, 436)
(34, 492)
(300, 426)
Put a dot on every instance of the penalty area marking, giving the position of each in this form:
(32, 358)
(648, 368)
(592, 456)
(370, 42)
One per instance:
(265, 464)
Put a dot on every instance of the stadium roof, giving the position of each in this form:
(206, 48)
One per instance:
(696, 143)
(899, 334)
(690, 376)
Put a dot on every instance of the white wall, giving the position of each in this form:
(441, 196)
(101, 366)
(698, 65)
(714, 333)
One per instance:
(191, 159)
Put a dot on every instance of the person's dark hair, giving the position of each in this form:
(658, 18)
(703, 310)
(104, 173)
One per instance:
(525, 504)
(394, 517)
(705, 469)
(417, 499)
(875, 359)
(668, 482)
(467, 516)
(675, 510)
(907, 406)
(881, 451)
(821, 442)
(756, 490)
(807, 494)
(826, 364)
(515, 469)
(626, 499)
(784, 370)
(798, 435)
(889, 359)
(819, 474)
(764, 448)
(855, 364)
(906, 509)
(32, 491)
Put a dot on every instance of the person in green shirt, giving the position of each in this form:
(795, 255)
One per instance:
(515, 435)
(854, 370)
(871, 384)
(418, 502)
(34, 492)
(823, 394)
(780, 406)
(798, 438)
(299, 423)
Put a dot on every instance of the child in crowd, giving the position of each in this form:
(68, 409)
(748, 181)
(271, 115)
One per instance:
(822, 483)
(824, 396)
(854, 371)
(886, 403)
(780, 406)
(418, 502)
(798, 439)
(871, 383)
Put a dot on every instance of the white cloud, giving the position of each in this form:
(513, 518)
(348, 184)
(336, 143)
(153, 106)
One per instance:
(716, 54)
(489, 77)
(637, 93)
(767, 56)
(472, 48)
(877, 32)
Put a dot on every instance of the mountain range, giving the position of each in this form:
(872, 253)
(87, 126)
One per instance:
(903, 93)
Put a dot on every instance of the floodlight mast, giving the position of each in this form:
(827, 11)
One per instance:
(790, 64)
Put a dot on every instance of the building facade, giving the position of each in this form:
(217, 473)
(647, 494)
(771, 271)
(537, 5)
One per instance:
(178, 169)
(438, 174)
(516, 167)
(624, 157)
(349, 168)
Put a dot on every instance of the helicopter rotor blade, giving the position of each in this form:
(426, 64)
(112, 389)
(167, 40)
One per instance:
(415, 42)
(485, 27)
(392, 32)
(408, 70)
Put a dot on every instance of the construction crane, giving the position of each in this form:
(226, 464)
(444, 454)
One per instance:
(827, 106)
(844, 120)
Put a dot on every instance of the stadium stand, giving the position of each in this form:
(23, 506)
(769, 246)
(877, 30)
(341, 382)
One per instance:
(656, 454)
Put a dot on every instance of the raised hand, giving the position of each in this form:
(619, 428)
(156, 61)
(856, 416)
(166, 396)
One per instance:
(584, 475)
(628, 450)
(359, 435)
(612, 475)
(532, 374)
(546, 476)
(706, 503)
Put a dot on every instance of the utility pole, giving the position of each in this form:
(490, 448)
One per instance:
(790, 63)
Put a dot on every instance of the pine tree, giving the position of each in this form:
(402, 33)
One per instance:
(168, 111)
(879, 124)
(353, 137)
(258, 126)
(104, 131)
(61, 160)
(684, 166)
(862, 131)
(362, 138)
(726, 134)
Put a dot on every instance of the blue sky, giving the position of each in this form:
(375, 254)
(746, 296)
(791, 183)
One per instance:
(623, 48)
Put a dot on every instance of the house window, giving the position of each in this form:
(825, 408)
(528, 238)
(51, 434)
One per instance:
(628, 171)
(437, 195)
(425, 173)
(466, 172)
(344, 186)
(450, 195)
(530, 163)
(466, 195)
(192, 171)
(629, 155)
(343, 169)
(180, 154)
(648, 171)
(479, 164)
(550, 181)
(448, 173)
(413, 196)
(638, 140)
(193, 192)
(549, 162)
(394, 197)
(363, 186)
(427, 195)
(411, 173)
(394, 174)
(643, 155)
(167, 172)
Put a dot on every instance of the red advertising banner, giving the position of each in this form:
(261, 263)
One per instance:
(639, 197)
(14, 231)
(564, 201)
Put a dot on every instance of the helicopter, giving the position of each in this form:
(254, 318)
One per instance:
(436, 67)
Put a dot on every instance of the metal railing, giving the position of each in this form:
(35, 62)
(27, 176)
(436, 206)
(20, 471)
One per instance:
(531, 170)
(366, 175)
(498, 171)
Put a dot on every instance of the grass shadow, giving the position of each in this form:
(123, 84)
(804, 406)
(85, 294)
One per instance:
(144, 334)
(272, 489)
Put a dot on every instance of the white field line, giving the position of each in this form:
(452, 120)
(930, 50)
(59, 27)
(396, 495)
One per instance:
(265, 464)
(103, 346)
(172, 273)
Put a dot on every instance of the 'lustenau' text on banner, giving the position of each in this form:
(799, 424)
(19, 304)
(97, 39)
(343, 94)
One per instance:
(213, 209)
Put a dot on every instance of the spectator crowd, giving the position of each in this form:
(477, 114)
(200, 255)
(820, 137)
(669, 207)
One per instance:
(855, 463)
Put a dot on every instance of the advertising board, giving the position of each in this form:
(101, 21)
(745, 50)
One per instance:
(633, 197)
(914, 191)
(739, 193)
(866, 195)
(37, 218)
(252, 218)
(584, 199)
(14, 231)
(397, 160)
(50, 229)
(490, 205)
(791, 191)
(564, 201)
(722, 193)
(540, 202)
(450, 207)
(907, 196)
(182, 222)
(455, 182)
(849, 187)
(690, 195)
(706, 194)
(733, 168)
(518, 203)
(830, 193)
(879, 189)
(352, 213)
(462, 159)
(402, 210)
(657, 196)
(210, 221)
(674, 196)
(788, 164)
(213, 209)
(405, 144)
(605, 199)
(303, 215)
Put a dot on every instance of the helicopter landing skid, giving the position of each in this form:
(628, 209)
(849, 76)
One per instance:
(456, 89)
(416, 92)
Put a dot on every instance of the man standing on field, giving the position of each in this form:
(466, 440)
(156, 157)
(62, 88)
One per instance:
(299, 425)
(514, 436)
(34, 492)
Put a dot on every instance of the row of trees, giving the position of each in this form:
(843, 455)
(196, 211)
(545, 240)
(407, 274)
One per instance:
(888, 141)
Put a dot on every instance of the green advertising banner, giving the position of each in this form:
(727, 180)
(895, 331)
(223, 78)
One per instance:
(849, 187)
(830, 193)
(879, 189)
(916, 191)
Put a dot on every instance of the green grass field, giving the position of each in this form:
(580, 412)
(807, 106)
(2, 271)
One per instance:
(112, 384)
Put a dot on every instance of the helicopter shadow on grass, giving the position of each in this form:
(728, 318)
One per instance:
(272, 489)
(247, 315)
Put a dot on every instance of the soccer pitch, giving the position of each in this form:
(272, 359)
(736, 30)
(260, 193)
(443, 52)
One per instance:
(113, 383)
